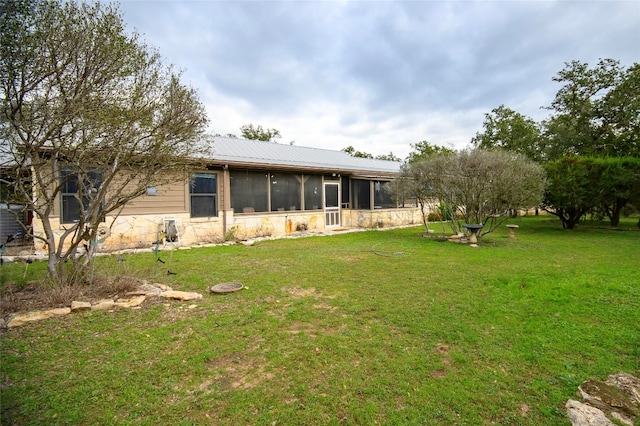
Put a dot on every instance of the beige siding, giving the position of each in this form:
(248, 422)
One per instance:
(170, 198)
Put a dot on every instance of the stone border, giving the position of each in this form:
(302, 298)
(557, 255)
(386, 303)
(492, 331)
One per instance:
(137, 298)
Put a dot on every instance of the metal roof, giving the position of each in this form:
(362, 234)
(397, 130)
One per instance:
(245, 152)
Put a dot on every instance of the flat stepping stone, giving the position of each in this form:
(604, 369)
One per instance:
(226, 288)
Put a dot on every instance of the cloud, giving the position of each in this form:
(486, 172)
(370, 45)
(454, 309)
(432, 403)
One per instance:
(380, 75)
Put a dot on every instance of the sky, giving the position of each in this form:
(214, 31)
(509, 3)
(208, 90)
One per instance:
(379, 75)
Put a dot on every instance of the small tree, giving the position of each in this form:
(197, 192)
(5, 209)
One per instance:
(417, 179)
(478, 186)
(89, 110)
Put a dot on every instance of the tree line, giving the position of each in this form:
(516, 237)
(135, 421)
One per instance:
(589, 146)
(589, 150)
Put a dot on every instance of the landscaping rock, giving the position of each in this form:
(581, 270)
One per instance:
(138, 297)
(20, 319)
(621, 418)
(130, 303)
(607, 397)
(181, 295)
(162, 287)
(77, 306)
(149, 290)
(628, 384)
(585, 415)
(103, 305)
(617, 398)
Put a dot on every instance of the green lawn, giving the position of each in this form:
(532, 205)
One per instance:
(361, 328)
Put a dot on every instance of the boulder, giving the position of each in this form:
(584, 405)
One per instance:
(20, 319)
(628, 384)
(181, 295)
(78, 306)
(607, 397)
(616, 398)
(585, 415)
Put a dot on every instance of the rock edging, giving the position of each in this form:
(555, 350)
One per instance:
(137, 298)
(617, 398)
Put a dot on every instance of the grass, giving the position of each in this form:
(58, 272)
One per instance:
(371, 327)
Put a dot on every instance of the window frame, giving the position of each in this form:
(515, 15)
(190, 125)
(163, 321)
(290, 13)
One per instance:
(95, 176)
(213, 196)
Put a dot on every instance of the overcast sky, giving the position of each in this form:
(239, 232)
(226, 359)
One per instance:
(379, 75)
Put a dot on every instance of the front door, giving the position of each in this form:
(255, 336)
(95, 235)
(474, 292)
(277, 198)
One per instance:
(331, 204)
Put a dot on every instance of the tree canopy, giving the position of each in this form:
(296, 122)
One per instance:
(582, 184)
(87, 107)
(595, 111)
(361, 154)
(423, 150)
(258, 133)
(595, 119)
(507, 129)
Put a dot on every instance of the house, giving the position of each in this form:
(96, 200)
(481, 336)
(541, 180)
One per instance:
(253, 188)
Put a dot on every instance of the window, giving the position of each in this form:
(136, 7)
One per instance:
(285, 192)
(75, 186)
(249, 191)
(361, 194)
(203, 191)
(313, 192)
(382, 196)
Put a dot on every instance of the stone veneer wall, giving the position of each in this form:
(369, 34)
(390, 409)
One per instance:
(383, 218)
(143, 230)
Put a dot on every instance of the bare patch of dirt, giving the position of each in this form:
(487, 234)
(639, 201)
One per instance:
(42, 295)
(298, 292)
(237, 371)
(439, 374)
(325, 306)
(443, 349)
(303, 328)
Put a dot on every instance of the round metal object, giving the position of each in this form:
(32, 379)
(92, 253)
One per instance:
(226, 288)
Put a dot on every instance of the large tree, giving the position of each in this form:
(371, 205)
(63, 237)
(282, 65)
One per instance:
(507, 129)
(87, 108)
(479, 186)
(596, 111)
